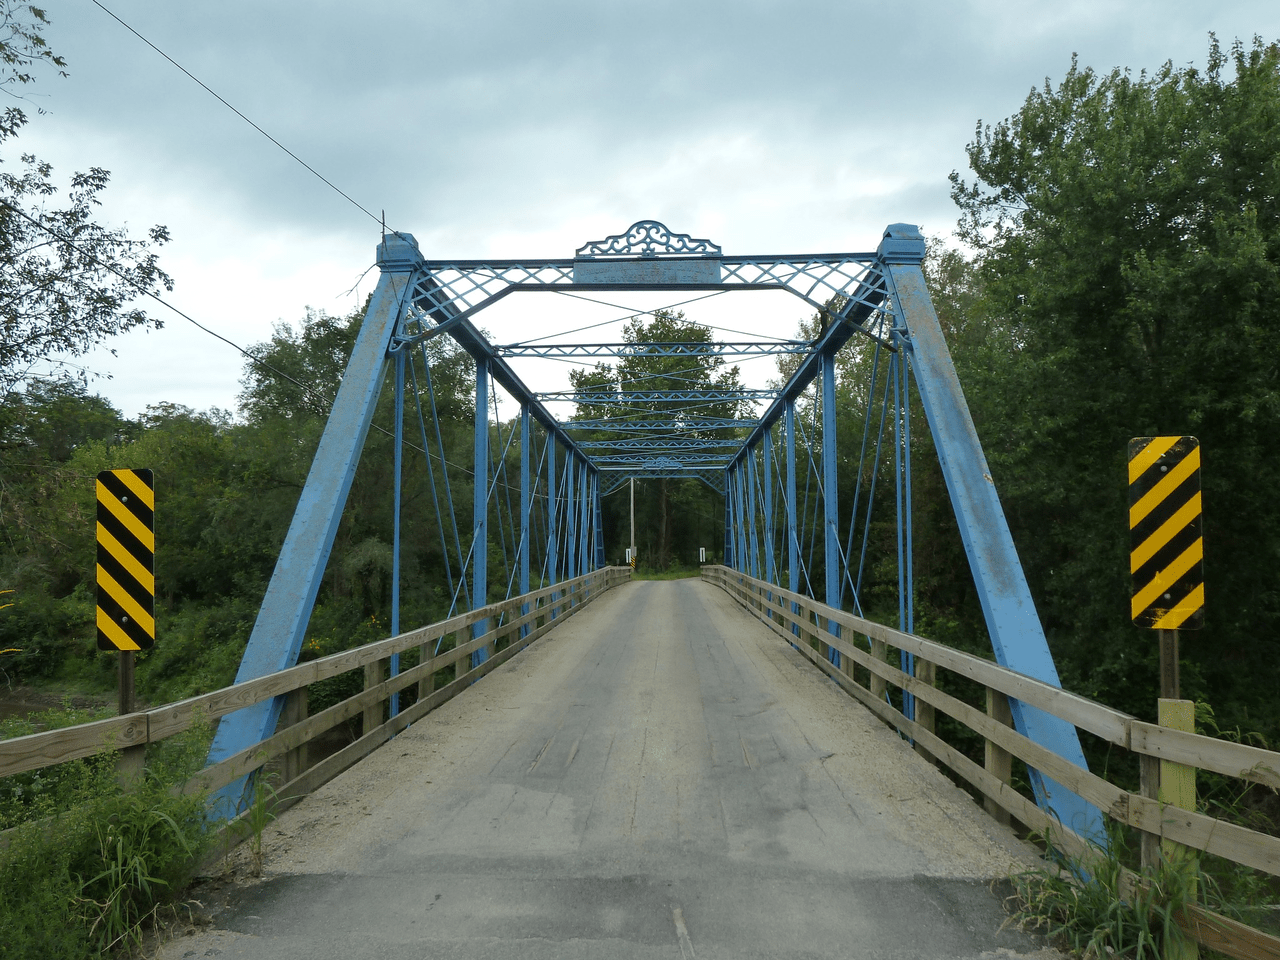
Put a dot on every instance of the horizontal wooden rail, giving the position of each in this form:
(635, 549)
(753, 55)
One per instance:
(546, 607)
(806, 624)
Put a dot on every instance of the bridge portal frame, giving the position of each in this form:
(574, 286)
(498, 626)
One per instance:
(881, 295)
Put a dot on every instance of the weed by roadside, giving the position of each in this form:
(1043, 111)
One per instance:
(86, 865)
(1097, 910)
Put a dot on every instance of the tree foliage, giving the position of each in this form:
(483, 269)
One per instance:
(226, 490)
(66, 282)
(1127, 231)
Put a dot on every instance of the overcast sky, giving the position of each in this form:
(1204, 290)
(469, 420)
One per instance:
(524, 130)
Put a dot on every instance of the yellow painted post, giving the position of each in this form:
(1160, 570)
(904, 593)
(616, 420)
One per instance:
(1178, 789)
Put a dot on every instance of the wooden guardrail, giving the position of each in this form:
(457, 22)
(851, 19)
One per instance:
(515, 623)
(806, 624)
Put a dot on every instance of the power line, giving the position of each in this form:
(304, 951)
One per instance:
(323, 179)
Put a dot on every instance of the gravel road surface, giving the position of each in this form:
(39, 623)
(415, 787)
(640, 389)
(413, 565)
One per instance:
(660, 777)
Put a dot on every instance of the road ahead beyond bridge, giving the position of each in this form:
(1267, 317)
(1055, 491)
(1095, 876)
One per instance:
(660, 777)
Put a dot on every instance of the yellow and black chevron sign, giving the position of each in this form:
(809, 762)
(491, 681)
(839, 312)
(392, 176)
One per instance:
(1166, 558)
(126, 560)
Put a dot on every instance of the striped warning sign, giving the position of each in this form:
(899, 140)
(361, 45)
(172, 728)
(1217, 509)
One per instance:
(1166, 557)
(126, 560)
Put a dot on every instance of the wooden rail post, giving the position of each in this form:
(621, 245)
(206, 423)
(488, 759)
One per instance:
(374, 673)
(1178, 789)
(1149, 787)
(927, 673)
(296, 760)
(428, 683)
(130, 761)
(997, 760)
(879, 652)
(462, 665)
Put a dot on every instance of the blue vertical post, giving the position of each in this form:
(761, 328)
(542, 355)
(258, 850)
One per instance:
(584, 528)
(740, 556)
(598, 509)
(793, 536)
(731, 494)
(480, 509)
(770, 573)
(570, 517)
(281, 626)
(830, 495)
(726, 559)
(905, 360)
(1017, 636)
(553, 534)
(395, 533)
(749, 516)
(526, 534)
(906, 661)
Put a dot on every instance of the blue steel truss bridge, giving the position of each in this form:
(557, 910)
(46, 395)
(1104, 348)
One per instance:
(756, 447)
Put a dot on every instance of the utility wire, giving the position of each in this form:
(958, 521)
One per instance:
(325, 180)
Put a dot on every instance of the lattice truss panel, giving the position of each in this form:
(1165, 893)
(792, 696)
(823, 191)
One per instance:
(847, 287)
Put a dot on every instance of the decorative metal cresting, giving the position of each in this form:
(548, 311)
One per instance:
(648, 238)
(758, 459)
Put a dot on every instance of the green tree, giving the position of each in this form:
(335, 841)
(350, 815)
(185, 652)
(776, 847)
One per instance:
(66, 282)
(1127, 231)
(659, 501)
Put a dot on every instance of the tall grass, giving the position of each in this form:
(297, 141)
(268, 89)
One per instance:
(87, 863)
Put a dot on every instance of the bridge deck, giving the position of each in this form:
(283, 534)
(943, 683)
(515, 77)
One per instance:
(661, 777)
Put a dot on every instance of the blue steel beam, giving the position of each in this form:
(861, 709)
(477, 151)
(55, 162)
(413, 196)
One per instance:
(721, 349)
(767, 457)
(669, 461)
(661, 443)
(480, 508)
(675, 423)
(830, 495)
(749, 515)
(597, 498)
(526, 532)
(728, 519)
(1017, 636)
(585, 544)
(610, 482)
(398, 468)
(460, 288)
(553, 514)
(656, 396)
(793, 534)
(571, 517)
(279, 630)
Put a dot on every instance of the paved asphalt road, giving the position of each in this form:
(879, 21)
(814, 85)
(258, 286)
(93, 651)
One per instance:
(661, 777)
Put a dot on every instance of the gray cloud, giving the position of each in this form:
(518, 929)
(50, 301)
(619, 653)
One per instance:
(511, 128)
